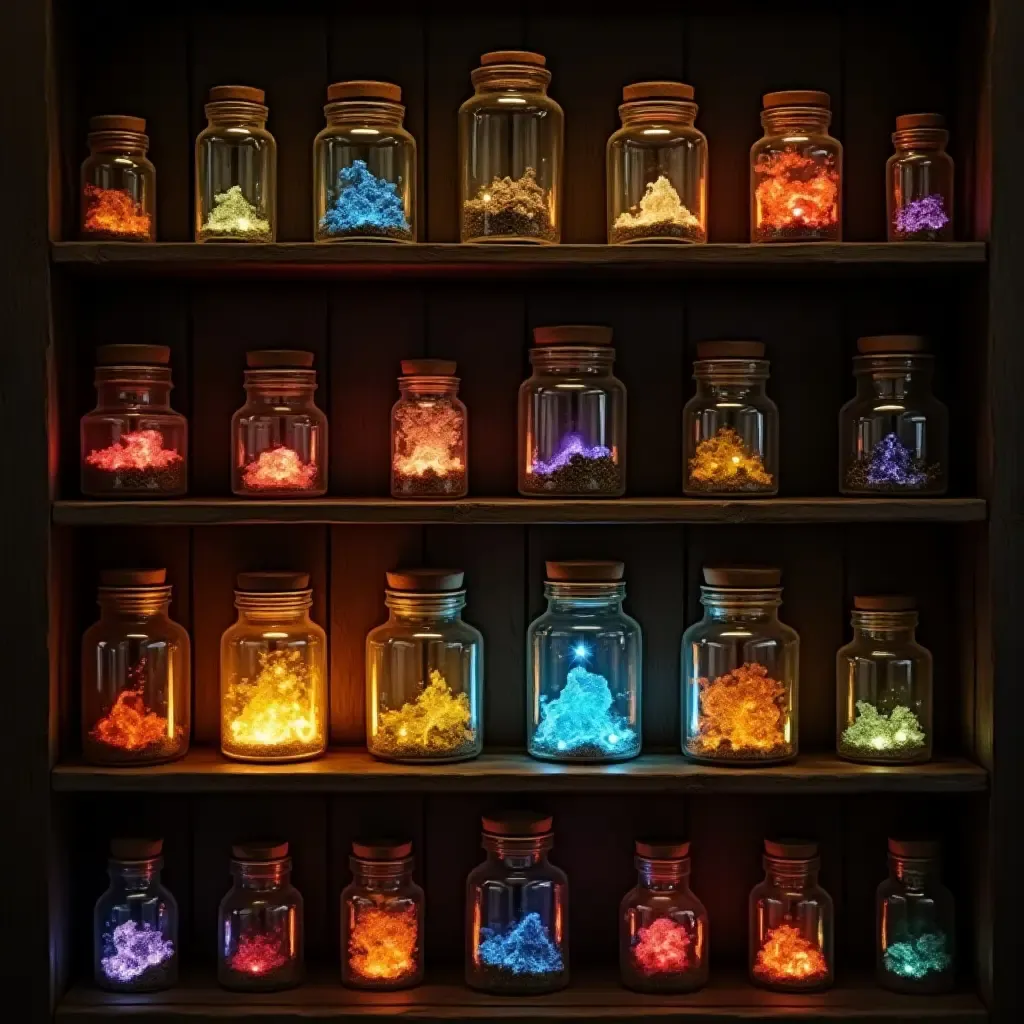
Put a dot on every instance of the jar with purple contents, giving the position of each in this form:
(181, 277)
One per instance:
(919, 181)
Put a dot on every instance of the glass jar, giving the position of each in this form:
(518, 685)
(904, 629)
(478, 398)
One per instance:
(279, 436)
(894, 434)
(584, 655)
(259, 946)
(510, 152)
(236, 169)
(429, 432)
(663, 927)
(134, 445)
(741, 667)
(730, 427)
(517, 909)
(919, 181)
(118, 182)
(424, 672)
(657, 167)
(572, 416)
(135, 923)
(915, 925)
(796, 172)
(273, 672)
(381, 919)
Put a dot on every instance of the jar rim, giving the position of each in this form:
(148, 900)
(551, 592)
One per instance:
(635, 111)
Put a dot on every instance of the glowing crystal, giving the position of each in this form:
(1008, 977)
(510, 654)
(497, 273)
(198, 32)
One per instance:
(922, 215)
(723, 462)
(526, 948)
(138, 449)
(279, 469)
(132, 950)
(362, 203)
(663, 947)
(796, 191)
(897, 734)
(113, 211)
(382, 943)
(233, 215)
(436, 724)
(785, 955)
(917, 958)
(258, 953)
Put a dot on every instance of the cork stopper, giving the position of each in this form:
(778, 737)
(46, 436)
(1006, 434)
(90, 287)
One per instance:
(133, 578)
(662, 850)
(790, 849)
(262, 850)
(364, 89)
(382, 849)
(884, 603)
(135, 849)
(517, 823)
(580, 571)
(425, 581)
(656, 91)
(573, 334)
(133, 355)
(891, 344)
(796, 98)
(117, 123)
(730, 350)
(746, 577)
(513, 57)
(246, 93)
(428, 367)
(278, 359)
(906, 121)
(917, 849)
(272, 582)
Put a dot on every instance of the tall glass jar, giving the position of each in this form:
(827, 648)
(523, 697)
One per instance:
(273, 672)
(118, 182)
(279, 437)
(429, 434)
(236, 169)
(135, 923)
(919, 181)
(424, 672)
(731, 426)
(663, 927)
(572, 416)
(796, 172)
(259, 942)
(364, 167)
(381, 919)
(510, 152)
(894, 433)
(657, 167)
(517, 910)
(584, 655)
(741, 668)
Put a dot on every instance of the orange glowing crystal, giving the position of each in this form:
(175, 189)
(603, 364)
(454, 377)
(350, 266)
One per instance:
(785, 955)
(137, 449)
(130, 725)
(382, 943)
(795, 192)
(723, 462)
(113, 212)
(279, 469)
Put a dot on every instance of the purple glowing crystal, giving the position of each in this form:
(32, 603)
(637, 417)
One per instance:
(892, 462)
(572, 444)
(133, 950)
(925, 214)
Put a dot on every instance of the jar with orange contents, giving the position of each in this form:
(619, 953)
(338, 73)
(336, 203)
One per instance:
(118, 182)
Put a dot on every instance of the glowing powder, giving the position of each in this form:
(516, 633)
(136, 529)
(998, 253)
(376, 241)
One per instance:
(382, 943)
(873, 734)
(922, 216)
(279, 469)
(661, 213)
(785, 955)
(524, 949)
(258, 953)
(510, 207)
(133, 950)
(363, 204)
(139, 449)
(724, 463)
(436, 724)
(131, 726)
(114, 212)
(664, 947)
(428, 447)
(919, 957)
(891, 465)
(575, 468)
(233, 215)
(796, 196)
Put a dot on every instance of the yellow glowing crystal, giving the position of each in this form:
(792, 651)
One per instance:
(660, 205)
(723, 462)
(436, 724)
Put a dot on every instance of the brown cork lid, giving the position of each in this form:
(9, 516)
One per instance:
(517, 823)
(513, 57)
(883, 344)
(885, 603)
(425, 581)
(573, 334)
(730, 350)
(905, 121)
(382, 849)
(662, 849)
(364, 89)
(133, 355)
(924, 849)
(278, 359)
(272, 582)
(656, 91)
(428, 367)
(133, 578)
(236, 92)
(136, 849)
(796, 98)
(790, 849)
(747, 577)
(585, 571)
(260, 850)
(117, 123)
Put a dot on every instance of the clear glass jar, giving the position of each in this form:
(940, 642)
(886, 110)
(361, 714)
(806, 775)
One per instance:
(429, 433)
(572, 416)
(731, 426)
(510, 152)
(517, 910)
(236, 169)
(657, 167)
(584, 655)
(894, 433)
(273, 672)
(919, 181)
(134, 445)
(796, 172)
(424, 672)
(118, 182)
(741, 668)
(135, 923)
(279, 436)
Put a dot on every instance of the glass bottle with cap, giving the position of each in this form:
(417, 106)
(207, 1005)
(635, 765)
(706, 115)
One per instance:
(118, 182)
(919, 181)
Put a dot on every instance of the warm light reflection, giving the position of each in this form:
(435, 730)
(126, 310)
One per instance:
(723, 462)
(130, 725)
(428, 440)
(382, 943)
(113, 211)
(138, 449)
(795, 191)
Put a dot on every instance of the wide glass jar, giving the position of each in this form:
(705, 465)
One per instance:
(273, 672)
(572, 416)
(236, 169)
(134, 445)
(894, 433)
(657, 167)
(429, 432)
(741, 669)
(381, 919)
(584, 677)
(796, 172)
(279, 437)
(663, 927)
(510, 152)
(135, 923)
(424, 672)
(919, 181)
(118, 182)
(731, 426)
(517, 910)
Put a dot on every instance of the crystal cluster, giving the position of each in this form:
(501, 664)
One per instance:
(663, 947)
(919, 957)
(660, 214)
(279, 469)
(114, 213)
(922, 218)
(891, 464)
(526, 948)
(382, 943)
(363, 204)
(723, 462)
(131, 727)
(436, 724)
(428, 456)
(797, 197)
(136, 461)
(131, 950)
(785, 955)
(508, 207)
(897, 735)
(576, 468)
(233, 216)
(258, 953)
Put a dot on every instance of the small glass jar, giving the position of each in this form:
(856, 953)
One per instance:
(259, 947)
(236, 169)
(796, 172)
(429, 433)
(663, 927)
(279, 436)
(273, 672)
(517, 910)
(135, 923)
(510, 152)
(731, 426)
(919, 181)
(894, 433)
(118, 182)
(914, 923)
(572, 416)
(657, 167)
(381, 919)
(584, 655)
(424, 672)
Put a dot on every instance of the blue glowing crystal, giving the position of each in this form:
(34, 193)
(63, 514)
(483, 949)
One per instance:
(892, 462)
(525, 949)
(919, 957)
(361, 201)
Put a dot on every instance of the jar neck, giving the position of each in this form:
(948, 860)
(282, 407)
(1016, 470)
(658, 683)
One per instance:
(372, 113)
(381, 875)
(927, 139)
(575, 359)
(135, 875)
(792, 874)
(428, 387)
(731, 378)
(133, 385)
(664, 874)
(796, 121)
(654, 112)
(735, 604)
(263, 875)
(896, 377)
(131, 144)
(914, 873)
(276, 387)
(583, 597)
(133, 602)
(511, 78)
(420, 607)
(236, 114)
(892, 626)
(518, 851)
(280, 608)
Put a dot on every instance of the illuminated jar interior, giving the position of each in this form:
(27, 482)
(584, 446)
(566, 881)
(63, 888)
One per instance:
(118, 199)
(919, 180)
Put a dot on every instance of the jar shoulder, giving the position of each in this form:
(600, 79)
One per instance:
(671, 134)
(713, 630)
(489, 102)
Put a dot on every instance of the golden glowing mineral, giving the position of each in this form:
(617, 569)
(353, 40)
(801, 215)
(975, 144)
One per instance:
(723, 462)
(435, 724)
(382, 943)
(660, 205)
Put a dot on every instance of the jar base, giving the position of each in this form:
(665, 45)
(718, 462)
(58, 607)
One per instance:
(496, 982)
(274, 494)
(388, 235)
(745, 494)
(767, 986)
(751, 761)
(261, 759)
(567, 758)
(510, 240)
(453, 759)
(894, 762)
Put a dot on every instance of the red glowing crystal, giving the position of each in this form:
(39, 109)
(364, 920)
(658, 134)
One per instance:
(138, 449)
(664, 947)
(258, 954)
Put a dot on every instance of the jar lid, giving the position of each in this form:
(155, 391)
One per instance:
(272, 582)
(573, 334)
(364, 89)
(428, 367)
(260, 850)
(135, 849)
(905, 121)
(117, 123)
(656, 91)
(513, 57)
(517, 823)
(923, 849)
(796, 98)
(425, 581)
(730, 350)
(133, 355)
(891, 344)
(790, 849)
(747, 577)
(236, 92)
(662, 849)
(133, 577)
(885, 603)
(583, 571)
(382, 849)
(278, 359)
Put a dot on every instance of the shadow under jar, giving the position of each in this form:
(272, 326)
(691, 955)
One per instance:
(118, 182)
(919, 181)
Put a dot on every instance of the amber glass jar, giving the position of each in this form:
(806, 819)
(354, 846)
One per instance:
(118, 182)
(657, 167)
(236, 169)
(796, 172)
(919, 181)
(273, 672)
(510, 152)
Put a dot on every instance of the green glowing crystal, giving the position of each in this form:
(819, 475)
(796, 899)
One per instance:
(918, 957)
(897, 734)
(233, 215)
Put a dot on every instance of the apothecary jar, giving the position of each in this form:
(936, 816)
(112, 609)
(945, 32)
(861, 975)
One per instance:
(118, 182)
(919, 181)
